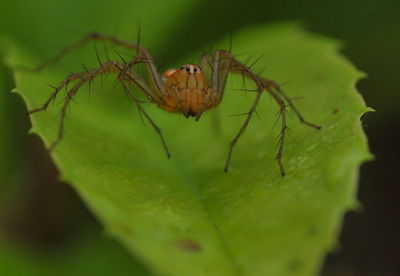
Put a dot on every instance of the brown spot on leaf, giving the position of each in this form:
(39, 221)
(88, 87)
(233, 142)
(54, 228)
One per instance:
(335, 111)
(188, 245)
(320, 76)
(122, 227)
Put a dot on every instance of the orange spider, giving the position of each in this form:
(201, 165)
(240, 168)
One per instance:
(187, 90)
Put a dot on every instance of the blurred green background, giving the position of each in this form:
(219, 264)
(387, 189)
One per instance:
(45, 229)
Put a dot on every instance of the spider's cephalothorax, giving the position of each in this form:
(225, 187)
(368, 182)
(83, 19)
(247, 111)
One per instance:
(188, 90)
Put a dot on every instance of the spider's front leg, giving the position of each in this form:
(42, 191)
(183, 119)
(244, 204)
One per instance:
(83, 77)
(129, 77)
(223, 63)
(87, 76)
(78, 44)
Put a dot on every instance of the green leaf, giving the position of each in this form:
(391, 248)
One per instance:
(185, 216)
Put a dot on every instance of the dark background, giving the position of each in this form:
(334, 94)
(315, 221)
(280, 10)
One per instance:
(370, 31)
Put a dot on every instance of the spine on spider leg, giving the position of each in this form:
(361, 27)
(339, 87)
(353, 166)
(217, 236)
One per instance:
(269, 84)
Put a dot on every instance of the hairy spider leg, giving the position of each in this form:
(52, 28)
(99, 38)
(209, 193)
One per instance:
(156, 128)
(275, 86)
(125, 72)
(207, 66)
(141, 51)
(129, 76)
(83, 78)
(217, 79)
(223, 63)
(88, 38)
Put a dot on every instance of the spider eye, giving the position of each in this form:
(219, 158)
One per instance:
(195, 69)
(183, 68)
(187, 69)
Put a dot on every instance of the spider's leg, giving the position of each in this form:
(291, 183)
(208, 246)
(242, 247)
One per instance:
(207, 66)
(242, 129)
(223, 64)
(134, 78)
(220, 70)
(90, 37)
(70, 94)
(87, 75)
(153, 124)
(274, 90)
(83, 77)
(217, 77)
(272, 84)
(284, 128)
(155, 80)
(68, 98)
(53, 95)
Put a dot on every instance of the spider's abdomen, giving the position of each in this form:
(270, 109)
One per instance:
(187, 91)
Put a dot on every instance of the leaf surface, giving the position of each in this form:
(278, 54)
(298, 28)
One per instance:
(185, 216)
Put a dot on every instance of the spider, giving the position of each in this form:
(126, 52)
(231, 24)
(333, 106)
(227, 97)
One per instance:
(188, 90)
